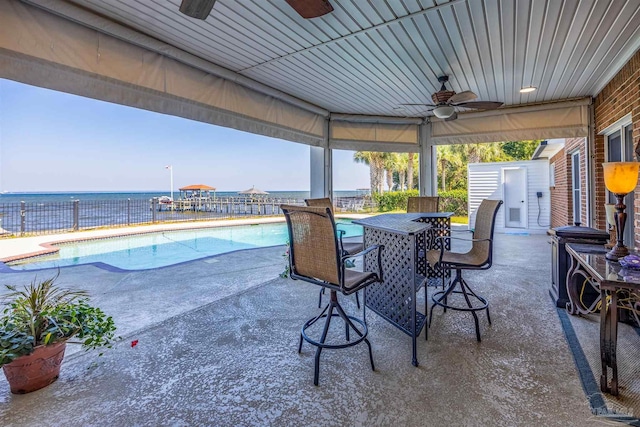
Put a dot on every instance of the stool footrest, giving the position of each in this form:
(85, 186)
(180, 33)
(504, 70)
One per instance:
(438, 301)
(440, 298)
(311, 341)
(328, 314)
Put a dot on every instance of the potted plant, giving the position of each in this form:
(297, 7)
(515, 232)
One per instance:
(35, 326)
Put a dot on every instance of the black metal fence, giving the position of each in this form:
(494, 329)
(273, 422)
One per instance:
(34, 218)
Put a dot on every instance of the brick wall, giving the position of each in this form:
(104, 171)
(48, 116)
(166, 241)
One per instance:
(561, 193)
(619, 97)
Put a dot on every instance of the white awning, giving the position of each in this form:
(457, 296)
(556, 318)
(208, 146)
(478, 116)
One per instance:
(569, 119)
(42, 49)
(374, 133)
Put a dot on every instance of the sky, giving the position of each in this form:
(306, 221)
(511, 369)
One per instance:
(53, 141)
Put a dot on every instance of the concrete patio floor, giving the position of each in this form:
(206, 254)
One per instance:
(217, 345)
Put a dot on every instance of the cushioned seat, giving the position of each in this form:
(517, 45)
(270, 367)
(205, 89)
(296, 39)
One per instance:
(473, 259)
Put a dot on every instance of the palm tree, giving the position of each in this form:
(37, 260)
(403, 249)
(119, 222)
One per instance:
(410, 171)
(390, 165)
(443, 170)
(491, 152)
(451, 163)
(402, 165)
(453, 160)
(375, 161)
(520, 150)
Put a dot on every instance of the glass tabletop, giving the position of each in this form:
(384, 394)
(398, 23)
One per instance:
(605, 271)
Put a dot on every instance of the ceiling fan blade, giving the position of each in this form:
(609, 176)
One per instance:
(418, 105)
(311, 8)
(451, 117)
(483, 105)
(465, 96)
(199, 9)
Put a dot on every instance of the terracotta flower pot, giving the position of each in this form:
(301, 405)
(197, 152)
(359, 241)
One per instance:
(36, 370)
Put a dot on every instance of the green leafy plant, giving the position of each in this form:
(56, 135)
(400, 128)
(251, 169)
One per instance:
(43, 314)
(450, 201)
(393, 200)
(286, 271)
(454, 201)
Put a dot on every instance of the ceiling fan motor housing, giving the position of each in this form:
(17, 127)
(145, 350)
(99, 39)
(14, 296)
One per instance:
(442, 96)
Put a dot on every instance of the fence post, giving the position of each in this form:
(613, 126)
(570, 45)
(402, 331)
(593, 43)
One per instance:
(23, 219)
(128, 211)
(154, 208)
(76, 215)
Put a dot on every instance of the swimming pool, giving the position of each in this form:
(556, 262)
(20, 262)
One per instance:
(153, 250)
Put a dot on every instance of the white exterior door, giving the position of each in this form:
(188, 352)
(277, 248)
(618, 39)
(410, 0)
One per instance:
(515, 197)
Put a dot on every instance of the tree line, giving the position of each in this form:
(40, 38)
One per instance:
(399, 171)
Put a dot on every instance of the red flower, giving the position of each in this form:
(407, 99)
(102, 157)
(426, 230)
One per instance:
(134, 343)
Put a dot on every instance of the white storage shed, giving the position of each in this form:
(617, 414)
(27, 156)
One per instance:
(523, 186)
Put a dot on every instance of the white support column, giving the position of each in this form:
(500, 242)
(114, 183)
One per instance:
(428, 171)
(321, 170)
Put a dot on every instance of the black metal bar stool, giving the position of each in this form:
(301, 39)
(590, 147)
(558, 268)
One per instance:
(315, 256)
(480, 257)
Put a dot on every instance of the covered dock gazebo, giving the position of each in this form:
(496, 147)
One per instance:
(253, 191)
(197, 191)
(196, 197)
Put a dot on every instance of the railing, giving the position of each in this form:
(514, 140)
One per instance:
(22, 219)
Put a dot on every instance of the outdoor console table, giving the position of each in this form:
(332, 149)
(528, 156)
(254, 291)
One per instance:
(406, 240)
(588, 263)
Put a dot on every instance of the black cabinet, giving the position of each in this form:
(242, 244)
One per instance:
(560, 261)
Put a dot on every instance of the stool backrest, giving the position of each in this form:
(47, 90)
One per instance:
(484, 228)
(313, 246)
(324, 202)
(423, 204)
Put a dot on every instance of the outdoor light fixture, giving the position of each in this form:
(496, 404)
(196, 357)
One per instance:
(620, 178)
(199, 9)
(528, 89)
(444, 111)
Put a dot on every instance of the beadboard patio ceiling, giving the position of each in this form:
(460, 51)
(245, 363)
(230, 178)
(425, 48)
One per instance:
(370, 57)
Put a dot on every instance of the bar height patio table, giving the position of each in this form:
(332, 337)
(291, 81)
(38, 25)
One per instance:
(406, 240)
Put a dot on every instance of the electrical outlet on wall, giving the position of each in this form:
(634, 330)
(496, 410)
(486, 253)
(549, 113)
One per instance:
(539, 194)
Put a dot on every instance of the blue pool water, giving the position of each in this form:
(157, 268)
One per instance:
(145, 251)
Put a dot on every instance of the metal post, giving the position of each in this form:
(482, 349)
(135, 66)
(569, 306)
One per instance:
(154, 208)
(128, 211)
(427, 161)
(23, 213)
(76, 214)
(170, 167)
